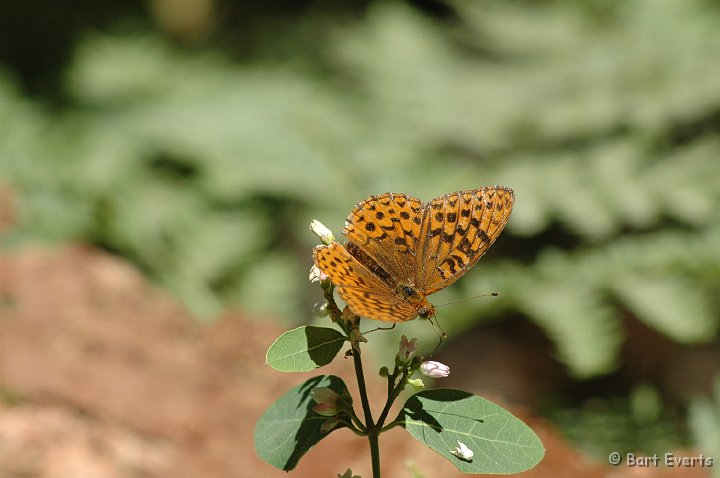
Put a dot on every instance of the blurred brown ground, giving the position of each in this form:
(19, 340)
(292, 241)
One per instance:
(104, 375)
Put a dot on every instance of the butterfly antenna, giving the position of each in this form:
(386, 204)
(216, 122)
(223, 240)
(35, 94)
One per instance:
(439, 330)
(441, 333)
(491, 294)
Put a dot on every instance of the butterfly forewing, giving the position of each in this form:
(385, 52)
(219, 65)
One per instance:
(365, 293)
(386, 228)
(458, 229)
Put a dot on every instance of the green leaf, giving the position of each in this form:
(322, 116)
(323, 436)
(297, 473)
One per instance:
(289, 428)
(501, 443)
(305, 348)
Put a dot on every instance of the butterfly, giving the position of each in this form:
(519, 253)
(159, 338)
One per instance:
(399, 250)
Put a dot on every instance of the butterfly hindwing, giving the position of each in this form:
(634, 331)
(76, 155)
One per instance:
(363, 291)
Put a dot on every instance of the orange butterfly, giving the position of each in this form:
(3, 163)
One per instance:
(400, 250)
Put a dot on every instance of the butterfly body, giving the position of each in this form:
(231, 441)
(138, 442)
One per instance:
(400, 250)
(418, 300)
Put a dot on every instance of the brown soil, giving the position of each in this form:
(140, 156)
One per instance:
(104, 375)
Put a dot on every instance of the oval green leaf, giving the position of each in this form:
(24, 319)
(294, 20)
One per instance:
(305, 348)
(289, 428)
(501, 442)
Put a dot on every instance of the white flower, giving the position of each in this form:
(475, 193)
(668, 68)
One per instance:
(325, 234)
(434, 369)
(463, 452)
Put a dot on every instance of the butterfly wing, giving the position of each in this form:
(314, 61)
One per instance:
(457, 229)
(386, 228)
(365, 293)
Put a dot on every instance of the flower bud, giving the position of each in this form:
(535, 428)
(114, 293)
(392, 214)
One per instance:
(417, 383)
(327, 401)
(329, 424)
(384, 372)
(434, 369)
(407, 349)
(325, 234)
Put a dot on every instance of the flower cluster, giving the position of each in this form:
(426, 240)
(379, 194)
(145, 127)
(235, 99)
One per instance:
(407, 362)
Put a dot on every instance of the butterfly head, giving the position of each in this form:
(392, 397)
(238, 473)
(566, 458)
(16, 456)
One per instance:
(426, 310)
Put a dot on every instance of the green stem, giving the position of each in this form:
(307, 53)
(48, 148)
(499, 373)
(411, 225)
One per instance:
(356, 421)
(373, 437)
(353, 427)
(390, 398)
(372, 429)
(393, 392)
(361, 386)
(335, 312)
(390, 425)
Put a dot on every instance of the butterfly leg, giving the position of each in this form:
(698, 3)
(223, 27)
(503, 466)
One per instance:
(381, 328)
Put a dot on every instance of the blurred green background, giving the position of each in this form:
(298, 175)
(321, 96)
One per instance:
(198, 138)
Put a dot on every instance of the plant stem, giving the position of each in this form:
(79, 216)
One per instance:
(393, 392)
(373, 436)
(361, 386)
(372, 430)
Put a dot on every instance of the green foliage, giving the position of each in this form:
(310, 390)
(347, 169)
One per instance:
(206, 172)
(641, 424)
(501, 443)
(455, 424)
(290, 428)
(304, 349)
(704, 421)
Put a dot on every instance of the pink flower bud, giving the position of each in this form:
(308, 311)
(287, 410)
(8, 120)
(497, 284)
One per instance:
(327, 401)
(407, 349)
(326, 409)
(434, 369)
